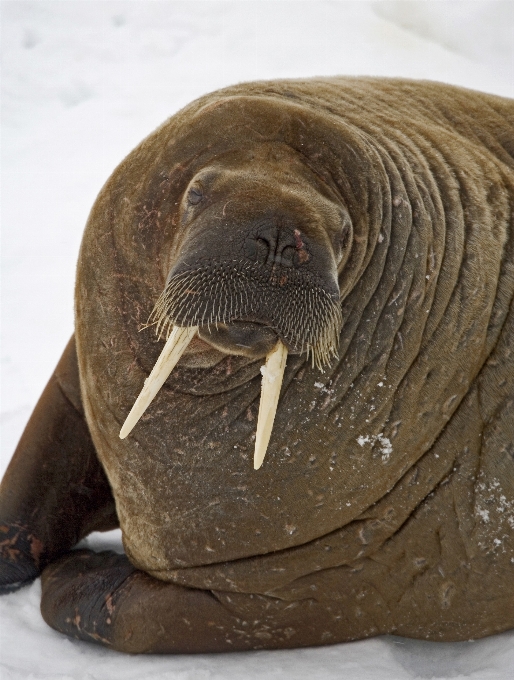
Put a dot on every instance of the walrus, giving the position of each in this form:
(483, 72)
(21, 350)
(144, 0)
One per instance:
(295, 301)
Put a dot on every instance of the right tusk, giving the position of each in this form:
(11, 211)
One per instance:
(272, 374)
(173, 349)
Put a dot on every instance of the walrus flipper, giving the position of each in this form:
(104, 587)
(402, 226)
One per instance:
(103, 598)
(55, 491)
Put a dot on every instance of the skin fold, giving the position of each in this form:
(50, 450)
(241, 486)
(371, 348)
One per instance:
(365, 223)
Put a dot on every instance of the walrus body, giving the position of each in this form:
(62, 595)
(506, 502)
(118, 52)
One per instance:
(386, 500)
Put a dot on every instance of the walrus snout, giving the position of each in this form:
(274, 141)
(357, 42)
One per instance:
(301, 308)
(245, 338)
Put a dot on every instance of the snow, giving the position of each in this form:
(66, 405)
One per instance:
(83, 82)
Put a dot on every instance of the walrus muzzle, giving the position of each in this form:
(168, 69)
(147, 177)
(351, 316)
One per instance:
(290, 309)
(255, 274)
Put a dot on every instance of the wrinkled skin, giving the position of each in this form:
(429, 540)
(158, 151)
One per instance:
(386, 499)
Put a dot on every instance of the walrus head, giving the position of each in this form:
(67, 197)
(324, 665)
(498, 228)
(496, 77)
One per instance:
(254, 271)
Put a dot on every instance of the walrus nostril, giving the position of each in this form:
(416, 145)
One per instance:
(286, 257)
(257, 250)
(286, 249)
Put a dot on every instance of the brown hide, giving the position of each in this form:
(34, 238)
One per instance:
(399, 458)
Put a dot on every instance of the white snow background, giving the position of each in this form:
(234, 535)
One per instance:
(82, 83)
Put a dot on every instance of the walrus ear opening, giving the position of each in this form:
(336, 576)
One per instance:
(342, 241)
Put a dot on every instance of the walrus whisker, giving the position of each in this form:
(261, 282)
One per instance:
(309, 316)
(175, 345)
(272, 375)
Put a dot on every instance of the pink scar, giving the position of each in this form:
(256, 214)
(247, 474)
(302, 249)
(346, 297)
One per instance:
(303, 255)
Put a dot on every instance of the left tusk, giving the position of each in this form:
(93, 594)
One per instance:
(272, 374)
(173, 349)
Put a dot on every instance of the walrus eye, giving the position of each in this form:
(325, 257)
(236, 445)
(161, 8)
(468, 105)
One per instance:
(194, 195)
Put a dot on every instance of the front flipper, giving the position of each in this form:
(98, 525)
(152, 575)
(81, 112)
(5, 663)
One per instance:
(54, 491)
(101, 597)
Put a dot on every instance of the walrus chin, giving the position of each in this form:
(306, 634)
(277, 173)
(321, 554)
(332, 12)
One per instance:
(177, 342)
(195, 300)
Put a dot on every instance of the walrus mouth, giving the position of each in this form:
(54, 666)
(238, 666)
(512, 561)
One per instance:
(301, 309)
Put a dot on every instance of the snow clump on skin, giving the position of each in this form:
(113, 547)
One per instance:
(386, 448)
(494, 508)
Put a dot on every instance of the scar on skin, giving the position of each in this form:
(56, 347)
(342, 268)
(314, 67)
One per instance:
(303, 255)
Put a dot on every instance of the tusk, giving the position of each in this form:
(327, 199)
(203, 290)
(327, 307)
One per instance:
(272, 374)
(173, 349)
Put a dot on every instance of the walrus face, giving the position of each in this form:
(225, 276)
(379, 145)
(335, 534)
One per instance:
(254, 270)
(257, 259)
